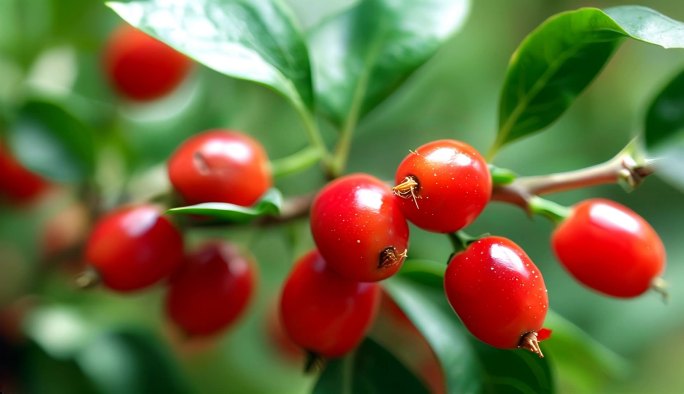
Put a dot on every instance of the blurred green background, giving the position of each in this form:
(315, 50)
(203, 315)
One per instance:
(50, 50)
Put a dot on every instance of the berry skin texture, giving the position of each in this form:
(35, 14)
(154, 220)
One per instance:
(17, 184)
(498, 293)
(220, 166)
(443, 185)
(609, 248)
(134, 247)
(141, 67)
(323, 312)
(359, 229)
(211, 290)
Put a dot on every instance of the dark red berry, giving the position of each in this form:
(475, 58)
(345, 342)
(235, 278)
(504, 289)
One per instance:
(220, 166)
(498, 293)
(211, 290)
(359, 228)
(443, 186)
(142, 68)
(323, 312)
(134, 247)
(609, 248)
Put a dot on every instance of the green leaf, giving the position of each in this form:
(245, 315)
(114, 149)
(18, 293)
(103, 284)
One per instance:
(254, 40)
(665, 117)
(268, 205)
(469, 366)
(559, 59)
(370, 369)
(364, 54)
(131, 361)
(43, 373)
(584, 364)
(52, 142)
(664, 130)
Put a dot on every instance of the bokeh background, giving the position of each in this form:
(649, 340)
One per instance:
(53, 334)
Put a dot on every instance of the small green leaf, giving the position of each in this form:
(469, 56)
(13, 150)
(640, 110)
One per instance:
(52, 142)
(664, 130)
(268, 205)
(370, 369)
(254, 40)
(364, 54)
(469, 366)
(559, 59)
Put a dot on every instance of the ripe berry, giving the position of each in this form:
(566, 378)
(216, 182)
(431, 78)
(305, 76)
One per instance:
(134, 247)
(498, 293)
(609, 248)
(323, 312)
(359, 228)
(211, 290)
(220, 166)
(443, 186)
(140, 67)
(17, 184)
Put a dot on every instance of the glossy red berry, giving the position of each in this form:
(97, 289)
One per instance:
(609, 248)
(211, 290)
(220, 166)
(359, 229)
(498, 293)
(443, 185)
(141, 67)
(18, 184)
(323, 312)
(134, 247)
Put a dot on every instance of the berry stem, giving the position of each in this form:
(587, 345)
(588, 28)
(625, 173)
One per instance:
(628, 168)
(314, 134)
(297, 162)
(659, 285)
(548, 209)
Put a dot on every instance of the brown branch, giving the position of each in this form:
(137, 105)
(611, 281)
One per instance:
(623, 169)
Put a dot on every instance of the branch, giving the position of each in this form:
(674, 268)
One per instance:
(623, 169)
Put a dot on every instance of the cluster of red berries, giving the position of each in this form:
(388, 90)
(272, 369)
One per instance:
(136, 246)
(359, 225)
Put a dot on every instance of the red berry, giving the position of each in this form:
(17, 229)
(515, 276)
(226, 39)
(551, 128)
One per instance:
(134, 247)
(142, 68)
(211, 290)
(609, 248)
(17, 184)
(498, 293)
(359, 228)
(220, 166)
(323, 312)
(443, 186)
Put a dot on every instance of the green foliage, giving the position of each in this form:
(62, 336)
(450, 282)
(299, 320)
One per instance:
(369, 369)
(52, 142)
(362, 55)
(268, 205)
(557, 61)
(664, 130)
